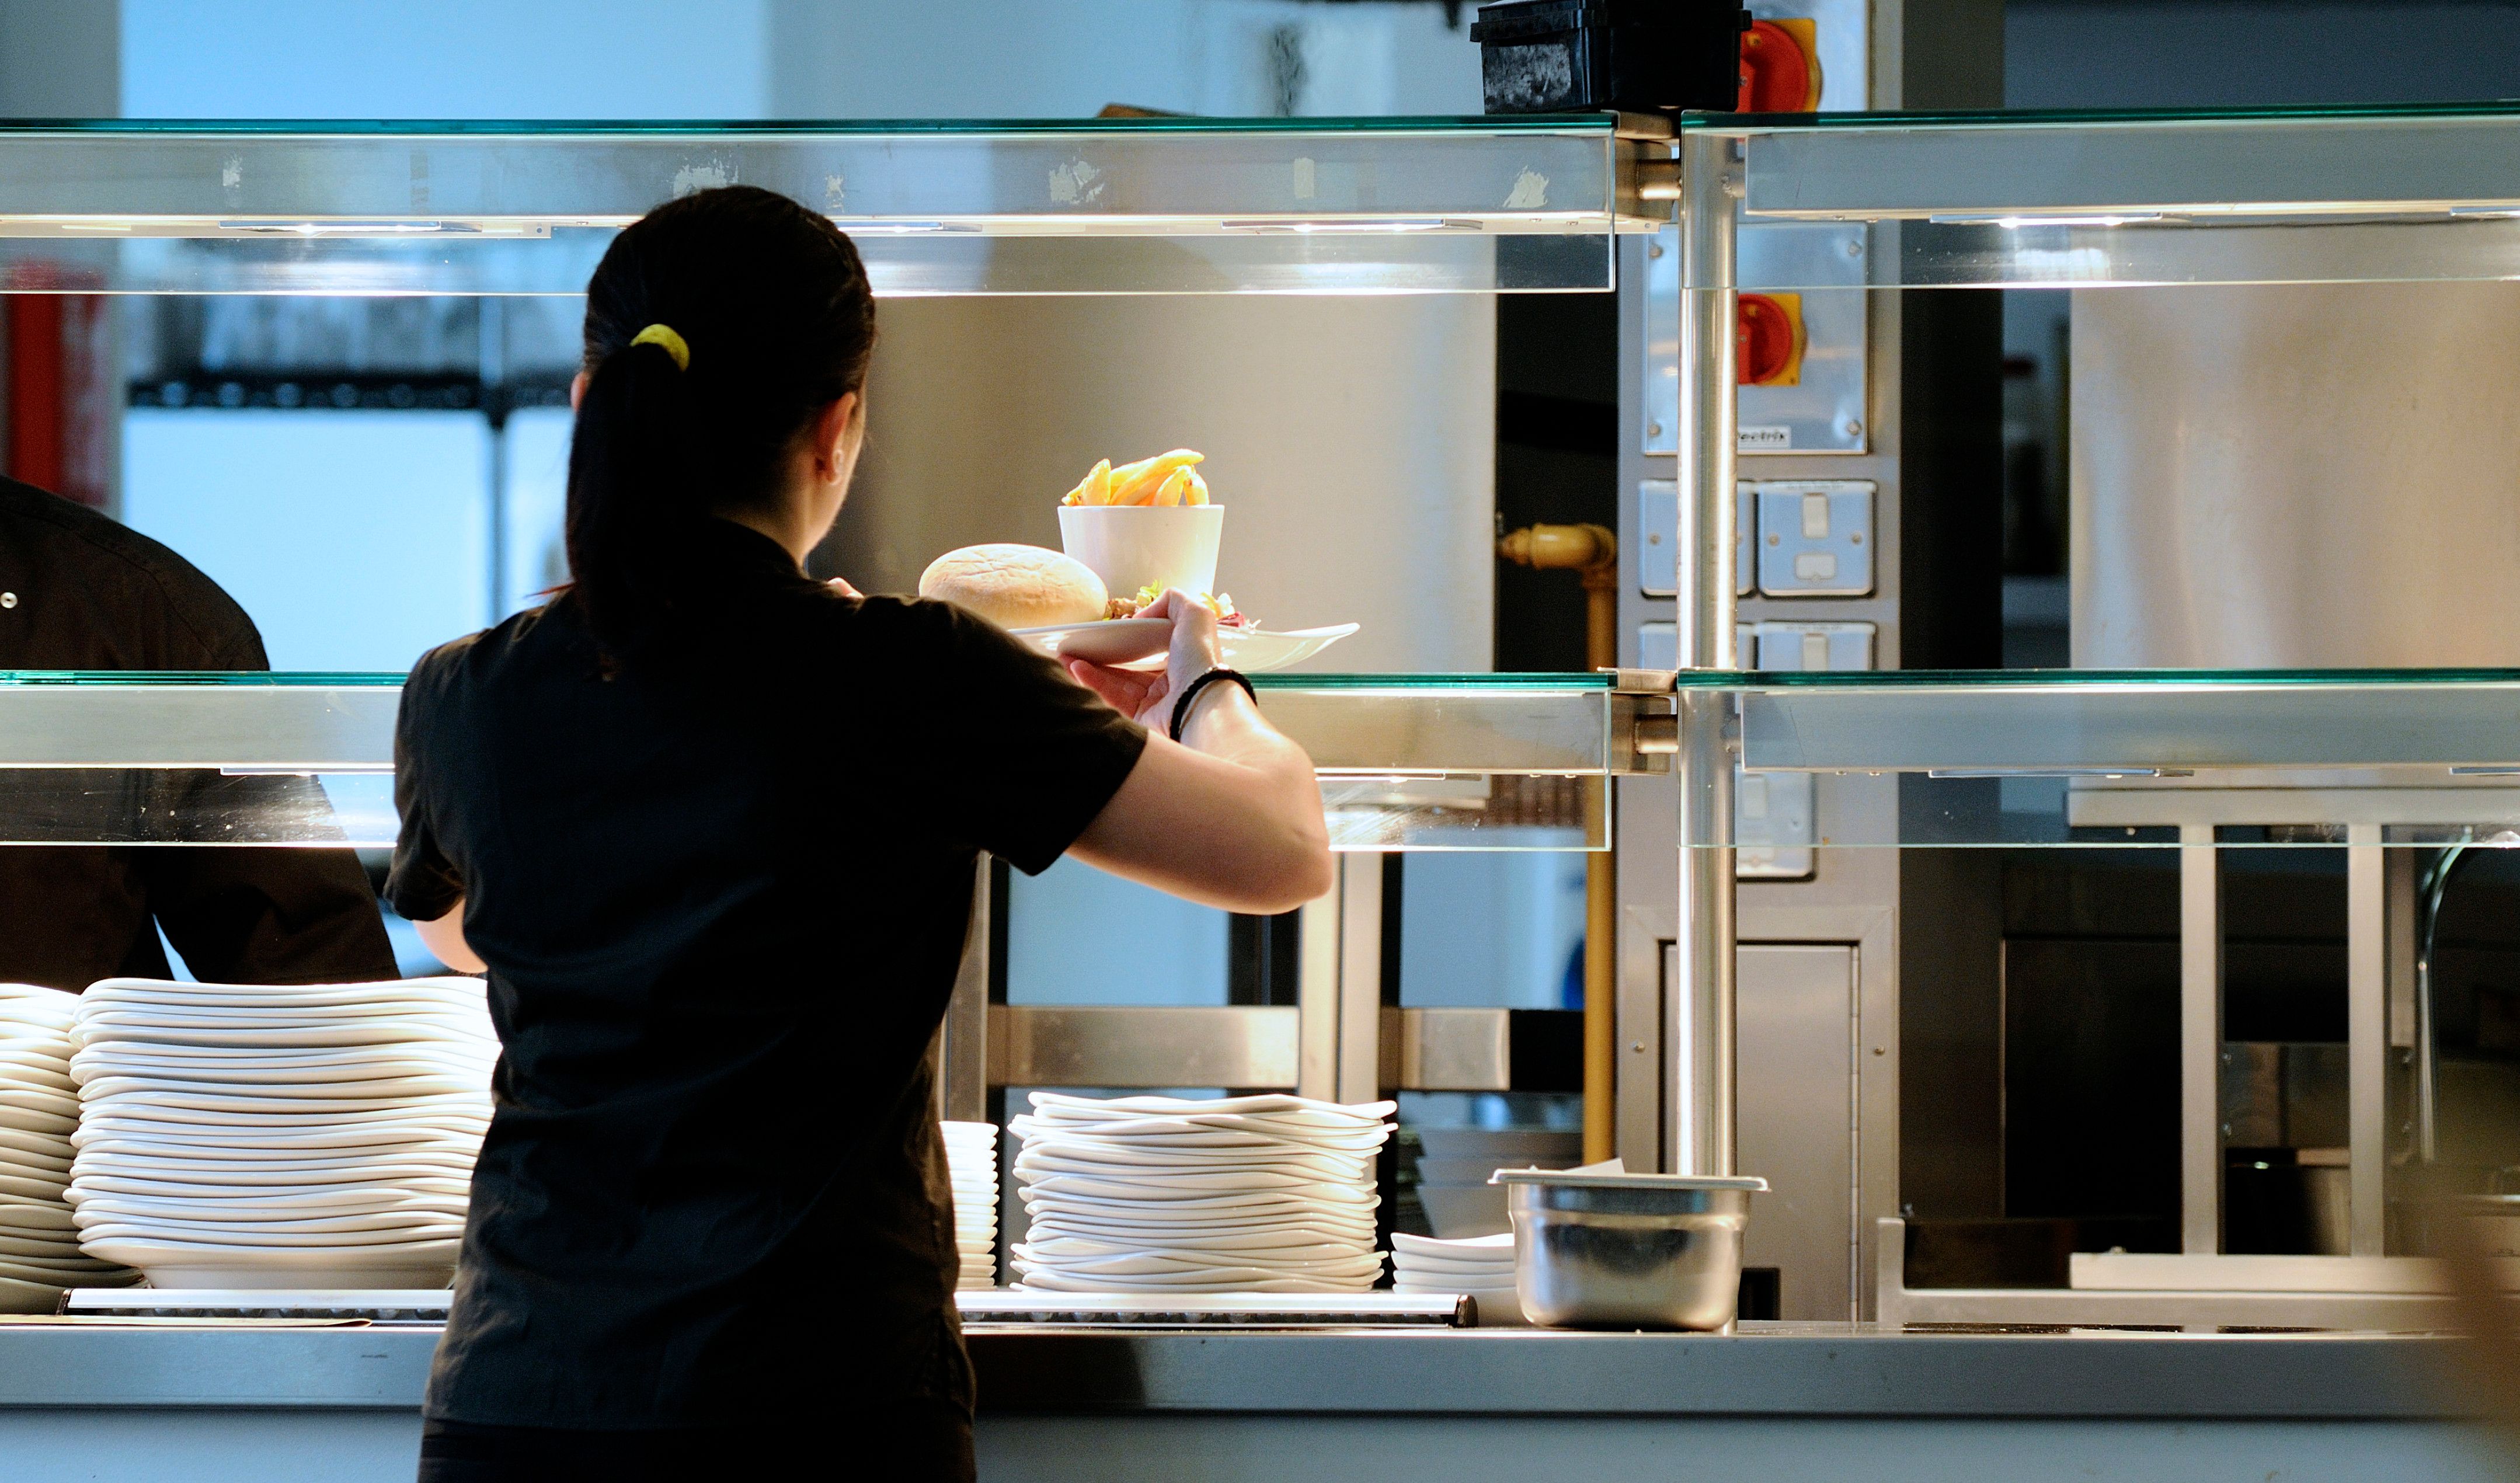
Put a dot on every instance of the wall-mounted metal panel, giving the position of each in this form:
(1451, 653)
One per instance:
(1242, 1045)
(1823, 408)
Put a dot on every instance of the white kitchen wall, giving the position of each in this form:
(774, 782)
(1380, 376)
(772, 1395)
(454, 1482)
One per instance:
(1223, 56)
(445, 58)
(356, 540)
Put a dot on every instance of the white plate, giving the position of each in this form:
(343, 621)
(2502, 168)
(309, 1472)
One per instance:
(1153, 1272)
(427, 1057)
(167, 1267)
(252, 1141)
(243, 1030)
(1500, 1275)
(238, 1173)
(1050, 1282)
(369, 1195)
(1264, 1103)
(323, 1164)
(15, 1161)
(40, 1100)
(1042, 1160)
(1139, 642)
(20, 1214)
(32, 1186)
(280, 1216)
(92, 1236)
(1292, 1231)
(290, 1112)
(1173, 1214)
(198, 998)
(59, 1259)
(1165, 1184)
(212, 1221)
(32, 1298)
(1200, 1188)
(1224, 1133)
(37, 1124)
(1078, 1253)
(1295, 1243)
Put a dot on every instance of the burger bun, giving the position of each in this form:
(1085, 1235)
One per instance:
(1016, 586)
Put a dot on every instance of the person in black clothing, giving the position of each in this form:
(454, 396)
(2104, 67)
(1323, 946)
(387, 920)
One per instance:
(711, 828)
(80, 591)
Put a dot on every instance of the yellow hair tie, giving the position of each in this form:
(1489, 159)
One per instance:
(675, 345)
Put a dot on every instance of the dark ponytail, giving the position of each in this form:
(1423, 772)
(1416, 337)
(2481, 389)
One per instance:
(769, 303)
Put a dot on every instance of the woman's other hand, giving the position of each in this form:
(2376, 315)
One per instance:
(1146, 695)
(1233, 817)
(842, 586)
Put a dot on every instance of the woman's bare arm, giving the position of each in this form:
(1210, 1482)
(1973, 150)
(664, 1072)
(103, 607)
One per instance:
(444, 937)
(1231, 817)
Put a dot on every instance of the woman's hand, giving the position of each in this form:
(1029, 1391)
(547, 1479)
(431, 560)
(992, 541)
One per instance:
(842, 586)
(1146, 695)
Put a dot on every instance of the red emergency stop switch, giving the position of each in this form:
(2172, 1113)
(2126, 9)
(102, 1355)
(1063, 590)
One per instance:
(1768, 339)
(1780, 67)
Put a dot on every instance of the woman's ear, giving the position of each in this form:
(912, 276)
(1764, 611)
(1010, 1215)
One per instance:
(576, 391)
(836, 433)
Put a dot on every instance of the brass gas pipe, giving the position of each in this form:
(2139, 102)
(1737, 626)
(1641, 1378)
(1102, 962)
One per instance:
(1592, 552)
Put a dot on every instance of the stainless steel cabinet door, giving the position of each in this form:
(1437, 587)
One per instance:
(1796, 1054)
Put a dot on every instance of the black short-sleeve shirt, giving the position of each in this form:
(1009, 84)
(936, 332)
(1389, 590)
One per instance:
(722, 894)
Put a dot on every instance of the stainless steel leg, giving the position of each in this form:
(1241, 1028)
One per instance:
(2200, 1042)
(1703, 959)
(1701, 988)
(1359, 1077)
(1316, 992)
(1338, 987)
(2366, 1029)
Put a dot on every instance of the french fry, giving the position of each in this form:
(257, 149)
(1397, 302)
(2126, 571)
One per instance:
(1170, 491)
(1084, 492)
(1134, 484)
(1197, 493)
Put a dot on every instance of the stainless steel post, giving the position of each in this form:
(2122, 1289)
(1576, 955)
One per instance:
(1700, 1005)
(2367, 1036)
(2200, 1042)
(1317, 992)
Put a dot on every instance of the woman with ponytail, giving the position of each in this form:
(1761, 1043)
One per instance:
(709, 827)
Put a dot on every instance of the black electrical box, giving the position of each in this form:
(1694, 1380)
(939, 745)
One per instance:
(1634, 56)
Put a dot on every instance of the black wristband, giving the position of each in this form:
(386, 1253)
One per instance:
(1189, 695)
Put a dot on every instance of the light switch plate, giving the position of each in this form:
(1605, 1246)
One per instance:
(1659, 522)
(1814, 537)
(1657, 646)
(1775, 825)
(1812, 645)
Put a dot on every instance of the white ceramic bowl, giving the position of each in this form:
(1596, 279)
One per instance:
(1133, 546)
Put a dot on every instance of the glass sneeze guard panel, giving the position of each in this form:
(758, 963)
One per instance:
(1208, 205)
(2057, 757)
(1483, 762)
(2116, 759)
(2022, 199)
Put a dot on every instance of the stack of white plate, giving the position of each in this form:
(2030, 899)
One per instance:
(267, 1136)
(1169, 1195)
(971, 1157)
(39, 1250)
(1453, 1172)
(1482, 1267)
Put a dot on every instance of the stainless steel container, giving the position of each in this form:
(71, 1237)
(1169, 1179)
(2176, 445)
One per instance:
(1627, 1251)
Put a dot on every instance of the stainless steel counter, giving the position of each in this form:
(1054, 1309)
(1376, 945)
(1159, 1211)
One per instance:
(1792, 1401)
